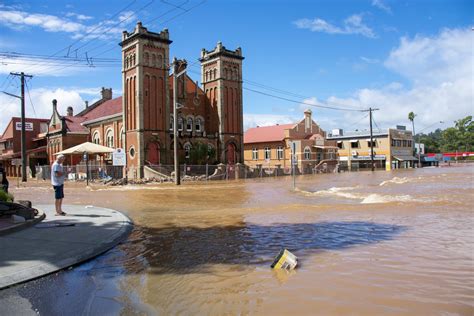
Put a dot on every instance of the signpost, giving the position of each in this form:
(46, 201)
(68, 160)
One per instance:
(28, 126)
(294, 162)
(118, 157)
(86, 158)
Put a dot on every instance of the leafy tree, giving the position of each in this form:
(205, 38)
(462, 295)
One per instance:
(201, 154)
(465, 134)
(450, 139)
(460, 137)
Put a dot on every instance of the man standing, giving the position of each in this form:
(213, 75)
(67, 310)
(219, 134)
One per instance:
(57, 180)
(3, 179)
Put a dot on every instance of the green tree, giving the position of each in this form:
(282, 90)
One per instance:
(450, 139)
(465, 129)
(201, 154)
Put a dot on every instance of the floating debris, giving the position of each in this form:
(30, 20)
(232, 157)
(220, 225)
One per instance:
(285, 260)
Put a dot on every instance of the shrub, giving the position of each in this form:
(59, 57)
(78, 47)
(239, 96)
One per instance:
(5, 197)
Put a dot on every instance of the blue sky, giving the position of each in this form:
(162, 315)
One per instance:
(398, 56)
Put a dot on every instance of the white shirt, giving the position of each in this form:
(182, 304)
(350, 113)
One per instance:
(57, 180)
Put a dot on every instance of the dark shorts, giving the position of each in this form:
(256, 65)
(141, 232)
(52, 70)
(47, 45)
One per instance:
(58, 191)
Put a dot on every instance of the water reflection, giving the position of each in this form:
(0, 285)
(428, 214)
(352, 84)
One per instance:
(188, 249)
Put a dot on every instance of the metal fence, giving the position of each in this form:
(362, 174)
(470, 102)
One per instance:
(79, 172)
(227, 172)
(164, 173)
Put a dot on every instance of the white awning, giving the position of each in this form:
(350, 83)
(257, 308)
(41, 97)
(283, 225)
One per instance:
(339, 141)
(354, 140)
(326, 147)
(404, 158)
(86, 147)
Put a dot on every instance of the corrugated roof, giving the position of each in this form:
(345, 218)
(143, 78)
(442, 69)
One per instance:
(264, 134)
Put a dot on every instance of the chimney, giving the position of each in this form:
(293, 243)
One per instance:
(308, 123)
(55, 106)
(87, 104)
(70, 111)
(106, 94)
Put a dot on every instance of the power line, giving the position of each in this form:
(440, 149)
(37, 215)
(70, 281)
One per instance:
(29, 97)
(103, 52)
(155, 18)
(302, 102)
(117, 13)
(285, 92)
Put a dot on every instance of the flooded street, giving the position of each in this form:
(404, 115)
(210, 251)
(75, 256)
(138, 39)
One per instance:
(382, 243)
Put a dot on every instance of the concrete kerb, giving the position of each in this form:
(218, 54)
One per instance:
(35, 252)
(17, 227)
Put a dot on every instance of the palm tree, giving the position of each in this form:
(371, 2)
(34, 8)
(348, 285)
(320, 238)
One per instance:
(411, 117)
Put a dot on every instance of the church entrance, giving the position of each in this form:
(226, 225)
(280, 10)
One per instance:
(153, 154)
(230, 153)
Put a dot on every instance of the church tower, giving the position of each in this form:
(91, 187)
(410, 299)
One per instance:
(145, 101)
(221, 71)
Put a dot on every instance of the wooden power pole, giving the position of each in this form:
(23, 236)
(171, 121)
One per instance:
(23, 134)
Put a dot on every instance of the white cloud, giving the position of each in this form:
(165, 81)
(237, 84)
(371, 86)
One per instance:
(41, 67)
(19, 20)
(445, 57)
(370, 60)
(80, 17)
(253, 120)
(439, 69)
(381, 5)
(351, 25)
(42, 101)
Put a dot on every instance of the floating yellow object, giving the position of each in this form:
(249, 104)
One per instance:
(285, 260)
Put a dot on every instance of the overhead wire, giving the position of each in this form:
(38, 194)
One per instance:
(29, 96)
(92, 30)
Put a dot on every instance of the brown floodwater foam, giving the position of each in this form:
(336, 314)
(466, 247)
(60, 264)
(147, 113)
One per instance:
(382, 243)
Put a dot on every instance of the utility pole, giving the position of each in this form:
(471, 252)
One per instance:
(177, 66)
(23, 134)
(371, 139)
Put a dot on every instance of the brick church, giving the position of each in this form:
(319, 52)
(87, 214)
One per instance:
(141, 121)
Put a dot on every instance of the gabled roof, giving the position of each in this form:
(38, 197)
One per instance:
(73, 124)
(265, 134)
(103, 110)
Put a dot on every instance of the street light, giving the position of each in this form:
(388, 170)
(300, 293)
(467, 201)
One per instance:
(177, 66)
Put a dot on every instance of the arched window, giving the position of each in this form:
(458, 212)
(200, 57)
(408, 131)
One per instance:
(180, 123)
(146, 58)
(187, 150)
(122, 138)
(189, 124)
(96, 138)
(225, 73)
(215, 73)
(198, 125)
(307, 153)
(159, 62)
(153, 60)
(171, 122)
(236, 74)
(109, 138)
(207, 75)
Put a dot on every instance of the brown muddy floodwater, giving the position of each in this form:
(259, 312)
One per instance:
(382, 243)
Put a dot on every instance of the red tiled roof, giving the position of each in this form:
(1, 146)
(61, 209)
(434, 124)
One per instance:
(74, 124)
(107, 108)
(264, 134)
